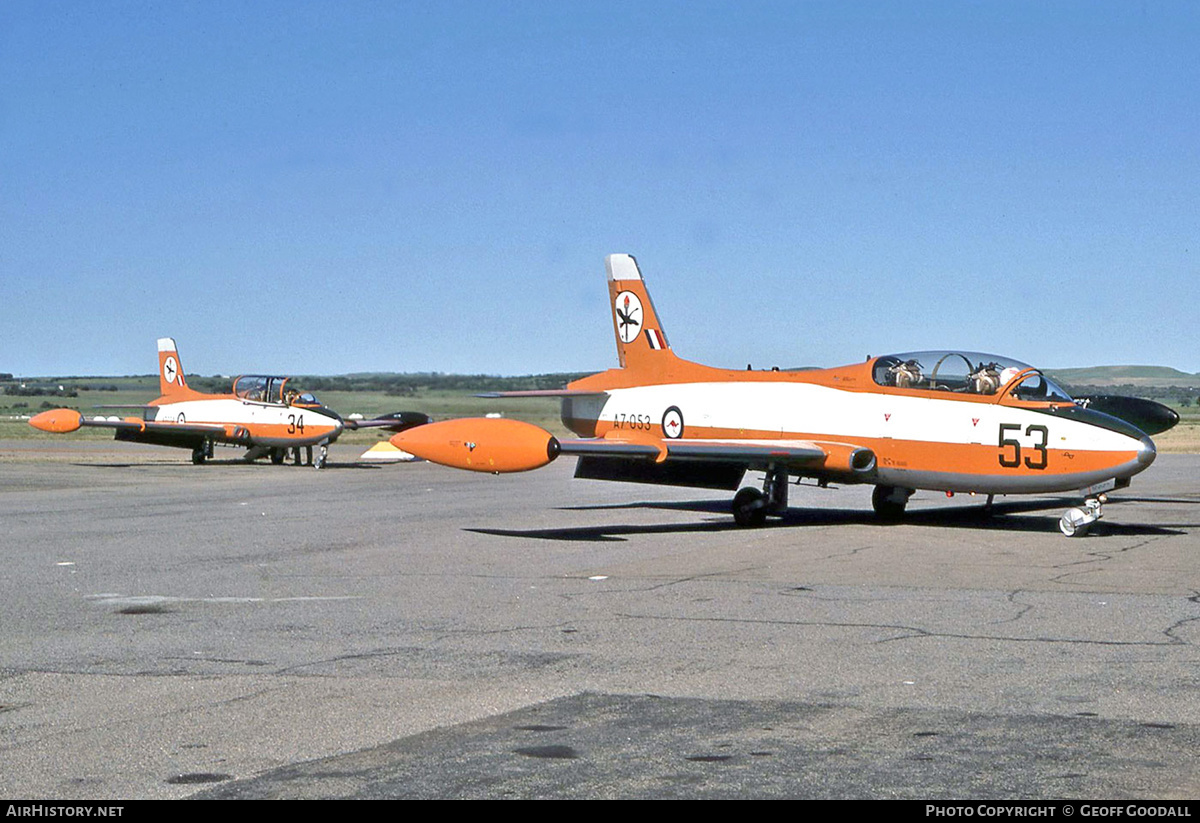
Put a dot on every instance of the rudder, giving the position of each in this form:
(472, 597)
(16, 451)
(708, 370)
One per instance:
(641, 343)
(170, 370)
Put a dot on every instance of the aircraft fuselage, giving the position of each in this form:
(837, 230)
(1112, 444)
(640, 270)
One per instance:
(260, 424)
(944, 442)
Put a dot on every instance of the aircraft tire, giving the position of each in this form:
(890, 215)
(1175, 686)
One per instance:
(886, 508)
(278, 456)
(749, 508)
(1071, 526)
(198, 456)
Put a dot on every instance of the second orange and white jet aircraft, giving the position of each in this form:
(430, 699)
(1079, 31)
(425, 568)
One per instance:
(952, 421)
(262, 413)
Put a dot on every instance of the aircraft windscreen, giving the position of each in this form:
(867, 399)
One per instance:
(307, 400)
(1037, 386)
(964, 372)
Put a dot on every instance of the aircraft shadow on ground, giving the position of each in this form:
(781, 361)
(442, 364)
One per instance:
(1003, 517)
(222, 463)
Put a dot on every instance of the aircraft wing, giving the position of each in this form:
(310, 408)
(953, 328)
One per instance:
(137, 430)
(712, 463)
(68, 420)
(801, 454)
(732, 451)
(502, 445)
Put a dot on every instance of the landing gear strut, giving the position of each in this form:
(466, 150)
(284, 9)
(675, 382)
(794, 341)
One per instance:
(1078, 522)
(307, 459)
(751, 507)
(202, 453)
(889, 501)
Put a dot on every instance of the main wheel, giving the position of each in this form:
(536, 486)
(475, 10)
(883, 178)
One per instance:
(889, 502)
(278, 456)
(199, 455)
(749, 507)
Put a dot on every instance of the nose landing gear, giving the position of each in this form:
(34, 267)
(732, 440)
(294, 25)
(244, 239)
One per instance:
(1078, 522)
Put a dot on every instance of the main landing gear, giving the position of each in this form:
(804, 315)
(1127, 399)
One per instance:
(751, 506)
(889, 501)
(279, 455)
(319, 463)
(1078, 522)
(202, 453)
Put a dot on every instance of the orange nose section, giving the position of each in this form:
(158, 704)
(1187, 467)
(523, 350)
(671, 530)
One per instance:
(481, 444)
(59, 421)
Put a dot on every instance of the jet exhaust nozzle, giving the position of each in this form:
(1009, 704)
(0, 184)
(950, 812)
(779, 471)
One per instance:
(849, 459)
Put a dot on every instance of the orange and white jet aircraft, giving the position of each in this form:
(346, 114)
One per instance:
(949, 421)
(262, 413)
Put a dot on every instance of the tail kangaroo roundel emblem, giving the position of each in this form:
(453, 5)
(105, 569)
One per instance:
(629, 316)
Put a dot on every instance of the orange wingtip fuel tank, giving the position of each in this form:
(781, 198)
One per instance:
(481, 444)
(59, 421)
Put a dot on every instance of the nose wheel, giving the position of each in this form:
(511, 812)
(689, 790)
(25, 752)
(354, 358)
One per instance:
(1078, 522)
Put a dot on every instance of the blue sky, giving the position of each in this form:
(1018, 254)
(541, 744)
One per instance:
(432, 186)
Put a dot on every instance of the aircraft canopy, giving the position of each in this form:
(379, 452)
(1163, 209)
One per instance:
(258, 388)
(965, 372)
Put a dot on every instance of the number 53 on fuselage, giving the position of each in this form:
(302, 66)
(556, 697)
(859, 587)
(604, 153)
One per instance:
(948, 421)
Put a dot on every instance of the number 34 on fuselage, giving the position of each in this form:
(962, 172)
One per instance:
(263, 414)
(950, 421)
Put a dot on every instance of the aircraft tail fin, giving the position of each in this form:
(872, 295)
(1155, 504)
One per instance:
(641, 343)
(170, 370)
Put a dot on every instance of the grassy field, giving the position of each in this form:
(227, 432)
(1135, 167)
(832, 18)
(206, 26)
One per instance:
(441, 404)
(1185, 437)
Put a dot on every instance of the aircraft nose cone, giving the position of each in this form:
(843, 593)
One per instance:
(1147, 452)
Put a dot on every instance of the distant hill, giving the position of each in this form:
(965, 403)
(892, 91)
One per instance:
(1141, 376)
(1134, 379)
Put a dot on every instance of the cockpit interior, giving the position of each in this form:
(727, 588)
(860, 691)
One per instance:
(256, 388)
(966, 373)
